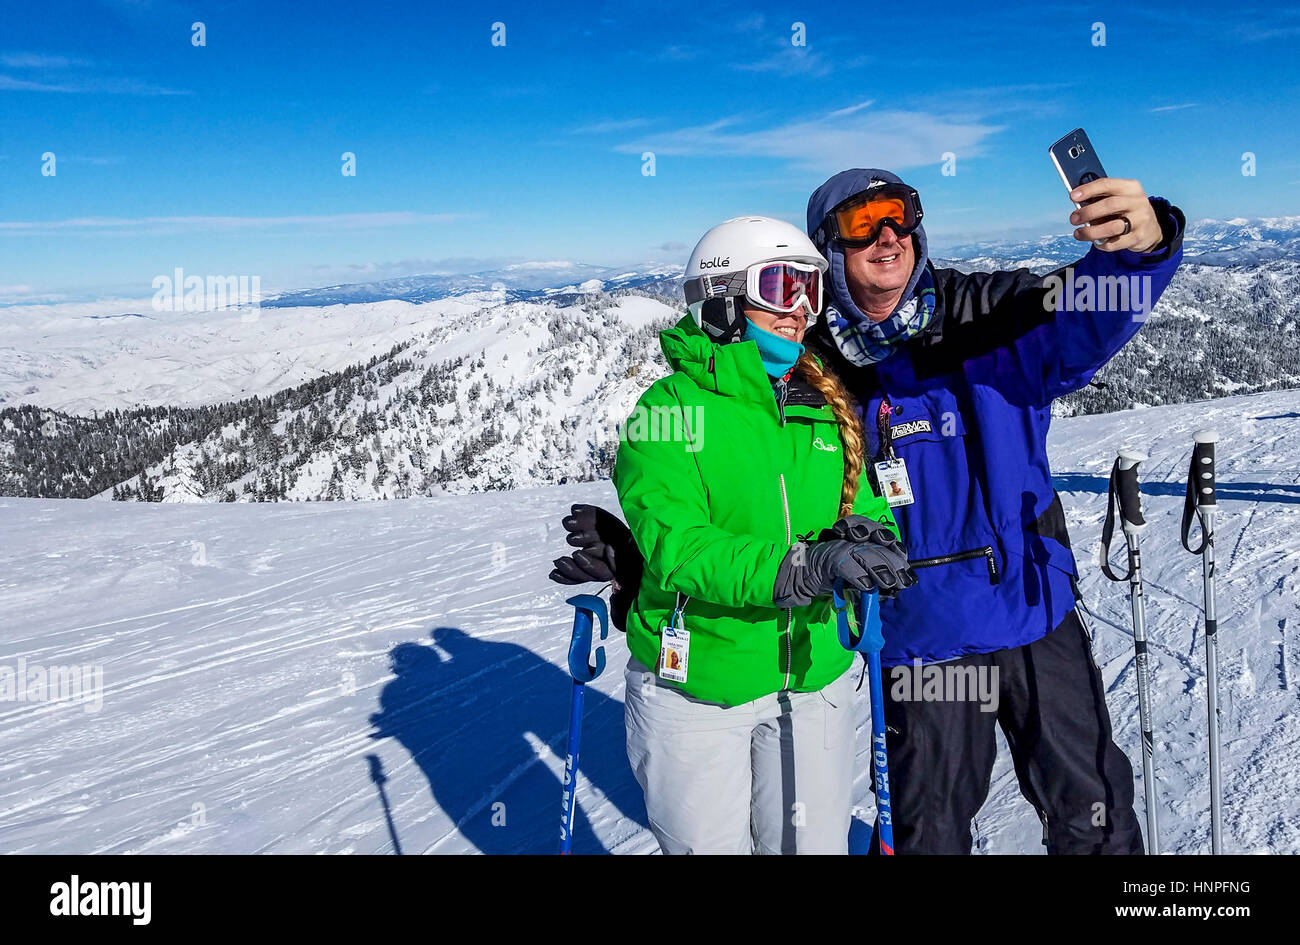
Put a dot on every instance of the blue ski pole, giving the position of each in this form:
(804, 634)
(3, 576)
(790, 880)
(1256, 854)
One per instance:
(586, 607)
(868, 642)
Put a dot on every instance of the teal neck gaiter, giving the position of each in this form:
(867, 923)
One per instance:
(778, 352)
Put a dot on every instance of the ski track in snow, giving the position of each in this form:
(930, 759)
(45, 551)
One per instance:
(256, 658)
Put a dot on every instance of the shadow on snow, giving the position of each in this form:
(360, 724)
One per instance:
(1245, 491)
(465, 720)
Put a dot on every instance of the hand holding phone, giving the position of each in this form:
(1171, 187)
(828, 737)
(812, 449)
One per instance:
(1114, 213)
(1077, 163)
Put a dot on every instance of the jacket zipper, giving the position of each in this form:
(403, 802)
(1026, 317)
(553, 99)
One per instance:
(986, 553)
(789, 611)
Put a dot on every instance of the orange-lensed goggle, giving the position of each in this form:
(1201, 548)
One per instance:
(858, 220)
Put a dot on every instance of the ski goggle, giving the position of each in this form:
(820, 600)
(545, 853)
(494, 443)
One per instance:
(858, 220)
(780, 286)
(783, 286)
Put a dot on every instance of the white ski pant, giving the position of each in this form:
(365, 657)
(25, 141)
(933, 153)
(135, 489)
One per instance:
(770, 776)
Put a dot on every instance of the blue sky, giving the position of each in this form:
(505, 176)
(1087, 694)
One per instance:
(226, 159)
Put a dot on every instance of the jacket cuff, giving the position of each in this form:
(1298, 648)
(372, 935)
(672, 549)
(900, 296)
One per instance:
(1172, 224)
(788, 590)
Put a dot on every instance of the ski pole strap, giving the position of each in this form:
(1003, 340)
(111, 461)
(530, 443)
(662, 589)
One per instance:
(1113, 499)
(1201, 487)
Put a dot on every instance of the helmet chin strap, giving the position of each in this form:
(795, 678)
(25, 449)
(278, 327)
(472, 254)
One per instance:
(723, 318)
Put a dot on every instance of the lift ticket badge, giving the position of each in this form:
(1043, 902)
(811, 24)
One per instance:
(674, 652)
(895, 487)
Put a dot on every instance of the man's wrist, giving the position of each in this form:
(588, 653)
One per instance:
(1172, 224)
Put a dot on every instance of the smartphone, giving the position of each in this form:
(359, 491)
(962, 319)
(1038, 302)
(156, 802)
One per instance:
(1077, 163)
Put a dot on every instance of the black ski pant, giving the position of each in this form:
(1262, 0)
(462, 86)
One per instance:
(1052, 709)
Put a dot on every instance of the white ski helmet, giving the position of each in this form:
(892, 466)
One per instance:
(720, 263)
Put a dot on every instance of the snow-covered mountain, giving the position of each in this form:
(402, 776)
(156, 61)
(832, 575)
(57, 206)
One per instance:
(1207, 242)
(498, 386)
(1240, 241)
(368, 677)
(70, 359)
(518, 282)
(478, 392)
(521, 393)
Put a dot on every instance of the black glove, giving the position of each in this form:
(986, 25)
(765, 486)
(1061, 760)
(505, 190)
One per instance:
(606, 554)
(859, 528)
(810, 570)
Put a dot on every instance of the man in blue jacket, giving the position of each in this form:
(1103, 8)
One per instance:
(955, 374)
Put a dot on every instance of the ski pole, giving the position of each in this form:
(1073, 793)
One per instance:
(1202, 500)
(377, 775)
(868, 642)
(1125, 492)
(586, 607)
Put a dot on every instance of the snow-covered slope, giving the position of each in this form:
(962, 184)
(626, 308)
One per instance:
(521, 394)
(80, 358)
(278, 677)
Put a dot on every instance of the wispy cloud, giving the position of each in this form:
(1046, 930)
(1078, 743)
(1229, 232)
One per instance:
(1246, 25)
(1283, 24)
(30, 60)
(790, 60)
(841, 112)
(89, 86)
(411, 266)
(47, 72)
(1173, 108)
(679, 52)
(155, 225)
(612, 125)
(853, 137)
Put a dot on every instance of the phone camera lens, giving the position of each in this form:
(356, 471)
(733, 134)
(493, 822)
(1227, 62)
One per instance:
(1075, 152)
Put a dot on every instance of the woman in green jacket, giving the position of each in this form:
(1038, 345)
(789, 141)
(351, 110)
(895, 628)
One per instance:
(739, 709)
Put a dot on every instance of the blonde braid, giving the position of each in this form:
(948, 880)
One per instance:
(850, 424)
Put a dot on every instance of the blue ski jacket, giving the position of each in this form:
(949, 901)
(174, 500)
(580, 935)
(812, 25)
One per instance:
(971, 402)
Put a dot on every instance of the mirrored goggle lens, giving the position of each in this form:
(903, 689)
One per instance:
(863, 221)
(782, 285)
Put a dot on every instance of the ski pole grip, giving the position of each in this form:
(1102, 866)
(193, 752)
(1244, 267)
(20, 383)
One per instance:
(868, 638)
(1203, 467)
(1130, 495)
(586, 608)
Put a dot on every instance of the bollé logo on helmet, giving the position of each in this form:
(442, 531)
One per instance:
(715, 263)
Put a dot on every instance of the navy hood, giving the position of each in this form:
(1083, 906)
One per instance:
(829, 195)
